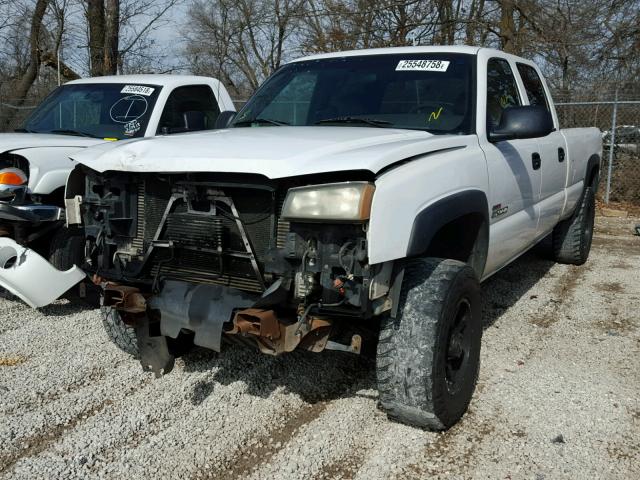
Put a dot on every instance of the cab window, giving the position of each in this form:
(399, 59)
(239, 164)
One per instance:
(533, 85)
(189, 108)
(502, 90)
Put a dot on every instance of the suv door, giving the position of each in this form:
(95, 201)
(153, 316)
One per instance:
(514, 172)
(188, 109)
(553, 155)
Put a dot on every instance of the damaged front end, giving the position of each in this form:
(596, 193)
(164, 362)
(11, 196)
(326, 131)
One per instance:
(194, 258)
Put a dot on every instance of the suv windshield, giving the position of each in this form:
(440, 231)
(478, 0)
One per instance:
(425, 91)
(100, 110)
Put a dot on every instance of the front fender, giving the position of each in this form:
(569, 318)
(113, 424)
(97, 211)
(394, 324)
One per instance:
(437, 215)
(48, 167)
(405, 193)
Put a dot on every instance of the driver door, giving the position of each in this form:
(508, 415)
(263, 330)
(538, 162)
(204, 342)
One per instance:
(514, 173)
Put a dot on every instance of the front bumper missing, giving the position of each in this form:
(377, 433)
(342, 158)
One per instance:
(29, 276)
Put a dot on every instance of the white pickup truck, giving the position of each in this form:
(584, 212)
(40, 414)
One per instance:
(359, 198)
(34, 161)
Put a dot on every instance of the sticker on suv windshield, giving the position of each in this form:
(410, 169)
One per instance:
(139, 89)
(423, 65)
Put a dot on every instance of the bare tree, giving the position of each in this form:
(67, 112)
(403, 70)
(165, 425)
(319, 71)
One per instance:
(116, 28)
(241, 41)
(28, 77)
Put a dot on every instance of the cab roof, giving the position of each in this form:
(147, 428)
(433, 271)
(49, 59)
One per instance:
(159, 79)
(394, 51)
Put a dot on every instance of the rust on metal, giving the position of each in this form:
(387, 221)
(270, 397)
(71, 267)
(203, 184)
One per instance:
(124, 298)
(274, 335)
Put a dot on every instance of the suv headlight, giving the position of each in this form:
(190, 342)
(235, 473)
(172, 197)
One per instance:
(342, 202)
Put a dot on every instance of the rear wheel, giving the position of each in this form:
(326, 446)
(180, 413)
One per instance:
(572, 237)
(429, 355)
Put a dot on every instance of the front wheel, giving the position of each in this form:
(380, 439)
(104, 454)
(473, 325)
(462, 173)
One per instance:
(429, 355)
(121, 334)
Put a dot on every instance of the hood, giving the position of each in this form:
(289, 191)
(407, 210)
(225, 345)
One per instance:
(17, 141)
(274, 152)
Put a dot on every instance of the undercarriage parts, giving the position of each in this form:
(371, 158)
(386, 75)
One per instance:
(124, 298)
(201, 309)
(275, 336)
(153, 349)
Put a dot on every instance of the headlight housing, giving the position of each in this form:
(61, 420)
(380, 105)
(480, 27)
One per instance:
(340, 202)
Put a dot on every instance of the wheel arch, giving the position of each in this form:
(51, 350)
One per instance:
(592, 173)
(456, 227)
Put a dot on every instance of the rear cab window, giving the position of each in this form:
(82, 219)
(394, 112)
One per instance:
(533, 85)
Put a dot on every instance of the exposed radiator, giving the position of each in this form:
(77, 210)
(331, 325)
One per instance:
(199, 237)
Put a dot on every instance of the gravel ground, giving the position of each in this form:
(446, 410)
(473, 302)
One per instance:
(557, 396)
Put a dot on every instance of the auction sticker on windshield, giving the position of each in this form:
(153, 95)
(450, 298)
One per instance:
(423, 65)
(138, 89)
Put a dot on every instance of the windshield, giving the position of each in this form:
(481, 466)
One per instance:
(426, 91)
(100, 110)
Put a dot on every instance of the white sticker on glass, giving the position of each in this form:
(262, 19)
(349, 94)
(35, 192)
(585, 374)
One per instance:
(423, 65)
(138, 89)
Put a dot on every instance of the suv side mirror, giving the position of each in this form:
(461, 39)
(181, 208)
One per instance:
(224, 119)
(529, 121)
(194, 120)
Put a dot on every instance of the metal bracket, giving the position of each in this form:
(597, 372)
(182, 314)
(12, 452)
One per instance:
(354, 347)
(154, 351)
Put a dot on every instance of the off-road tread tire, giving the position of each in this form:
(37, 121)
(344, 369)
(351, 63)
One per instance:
(121, 334)
(409, 380)
(572, 237)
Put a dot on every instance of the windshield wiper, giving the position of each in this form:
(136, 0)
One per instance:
(263, 121)
(365, 121)
(23, 130)
(65, 131)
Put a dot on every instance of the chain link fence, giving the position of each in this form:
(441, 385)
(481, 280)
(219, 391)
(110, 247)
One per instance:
(619, 121)
(12, 115)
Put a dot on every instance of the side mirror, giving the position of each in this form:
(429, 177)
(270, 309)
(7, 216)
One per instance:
(224, 119)
(194, 120)
(529, 121)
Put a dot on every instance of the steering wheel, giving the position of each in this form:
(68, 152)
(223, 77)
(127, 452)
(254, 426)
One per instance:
(430, 107)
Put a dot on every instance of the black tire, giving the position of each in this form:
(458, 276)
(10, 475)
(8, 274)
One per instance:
(429, 355)
(67, 249)
(572, 237)
(121, 334)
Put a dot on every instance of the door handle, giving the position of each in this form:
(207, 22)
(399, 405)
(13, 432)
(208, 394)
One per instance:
(535, 160)
(561, 154)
